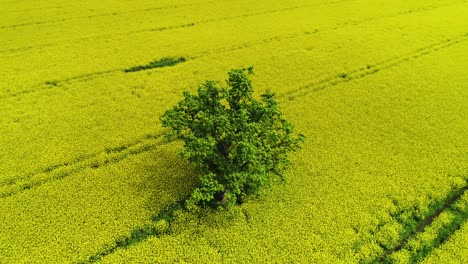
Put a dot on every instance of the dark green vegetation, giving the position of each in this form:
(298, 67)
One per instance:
(239, 144)
(159, 225)
(164, 62)
(419, 245)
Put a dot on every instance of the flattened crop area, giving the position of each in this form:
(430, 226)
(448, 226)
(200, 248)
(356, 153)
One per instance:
(380, 89)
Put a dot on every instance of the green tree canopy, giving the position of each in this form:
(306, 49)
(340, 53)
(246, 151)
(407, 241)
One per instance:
(240, 144)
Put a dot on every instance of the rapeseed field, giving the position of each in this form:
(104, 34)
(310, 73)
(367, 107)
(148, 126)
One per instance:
(379, 88)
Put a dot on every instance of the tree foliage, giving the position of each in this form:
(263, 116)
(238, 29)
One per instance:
(240, 144)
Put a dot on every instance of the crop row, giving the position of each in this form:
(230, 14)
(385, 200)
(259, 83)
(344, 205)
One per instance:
(121, 12)
(337, 26)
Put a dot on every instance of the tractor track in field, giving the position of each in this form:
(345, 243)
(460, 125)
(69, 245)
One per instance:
(139, 235)
(449, 201)
(140, 146)
(116, 13)
(414, 225)
(30, 9)
(372, 69)
(44, 45)
(320, 30)
(149, 142)
(143, 10)
(168, 27)
(55, 83)
(10, 187)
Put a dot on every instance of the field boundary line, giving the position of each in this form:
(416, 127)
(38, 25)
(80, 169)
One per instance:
(43, 86)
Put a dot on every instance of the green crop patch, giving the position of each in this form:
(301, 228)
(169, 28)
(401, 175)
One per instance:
(164, 62)
(417, 231)
(159, 225)
(433, 231)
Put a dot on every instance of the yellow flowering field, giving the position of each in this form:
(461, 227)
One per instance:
(379, 88)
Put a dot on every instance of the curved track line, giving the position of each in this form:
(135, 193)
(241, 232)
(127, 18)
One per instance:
(56, 83)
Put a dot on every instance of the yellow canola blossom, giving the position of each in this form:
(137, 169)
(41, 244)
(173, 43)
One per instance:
(61, 124)
(69, 220)
(455, 249)
(378, 87)
(366, 159)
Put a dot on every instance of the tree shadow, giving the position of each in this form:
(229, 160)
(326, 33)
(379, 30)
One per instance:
(166, 178)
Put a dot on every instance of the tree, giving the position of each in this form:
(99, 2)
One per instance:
(239, 144)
